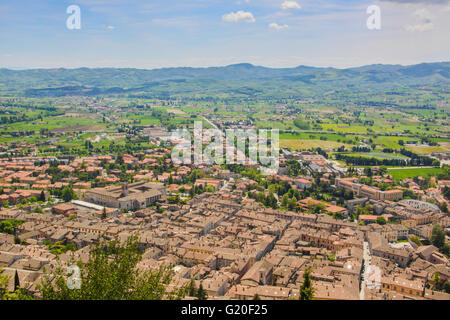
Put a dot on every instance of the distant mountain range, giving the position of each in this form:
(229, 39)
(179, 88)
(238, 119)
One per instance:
(238, 79)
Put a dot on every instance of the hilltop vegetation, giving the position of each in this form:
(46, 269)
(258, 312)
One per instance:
(243, 80)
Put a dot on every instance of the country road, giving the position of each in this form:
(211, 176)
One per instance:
(212, 124)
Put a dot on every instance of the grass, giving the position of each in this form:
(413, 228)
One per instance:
(428, 150)
(377, 155)
(411, 173)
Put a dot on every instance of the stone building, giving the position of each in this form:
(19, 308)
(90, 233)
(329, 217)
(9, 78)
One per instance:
(133, 196)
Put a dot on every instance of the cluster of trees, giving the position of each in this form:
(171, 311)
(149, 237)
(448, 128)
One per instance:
(439, 284)
(266, 190)
(111, 273)
(67, 193)
(302, 124)
(365, 161)
(10, 226)
(56, 173)
(267, 200)
(164, 118)
(17, 293)
(361, 149)
(193, 291)
(294, 168)
(360, 210)
(418, 160)
(59, 247)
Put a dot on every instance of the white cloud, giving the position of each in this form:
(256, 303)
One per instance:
(276, 26)
(110, 27)
(424, 21)
(289, 4)
(240, 16)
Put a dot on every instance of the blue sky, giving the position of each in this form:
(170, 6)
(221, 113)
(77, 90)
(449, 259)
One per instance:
(201, 33)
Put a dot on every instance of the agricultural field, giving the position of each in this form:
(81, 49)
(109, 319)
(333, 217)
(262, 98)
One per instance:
(309, 144)
(404, 173)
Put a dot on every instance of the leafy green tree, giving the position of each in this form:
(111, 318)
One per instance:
(38, 209)
(256, 297)
(438, 236)
(416, 240)
(17, 294)
(316, 208)
(307, 290)
(381, 220)
(293, 203)
(69, 194)
(10, 226)
(111, 273)
(447, 287)
(436, 280)
(285, 200)
(104, 213)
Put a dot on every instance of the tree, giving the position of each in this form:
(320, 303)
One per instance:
(104, 213)
(292, 203)
(111, 273)
(436, 280)
(17, 294)
(10, 226)
(444, 207)
(201, 293)
(316, 208)
(438, 236)
(447, 287)
(69, 194)
(285, 200)
(307, 290)
(256, 297)
(416, 240)
(191, 289)
(16, 281)
(381, 220)
(42, 196)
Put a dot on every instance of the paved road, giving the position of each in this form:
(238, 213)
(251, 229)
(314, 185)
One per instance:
(367, 261)
(212, 124)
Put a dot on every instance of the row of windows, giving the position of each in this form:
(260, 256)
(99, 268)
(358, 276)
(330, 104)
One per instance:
(387, 286)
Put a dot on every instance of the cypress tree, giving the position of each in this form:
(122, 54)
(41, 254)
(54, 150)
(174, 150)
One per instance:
(306, 290)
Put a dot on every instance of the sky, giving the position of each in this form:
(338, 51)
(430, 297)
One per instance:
(151, 34)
